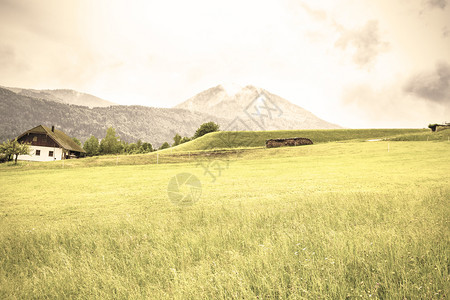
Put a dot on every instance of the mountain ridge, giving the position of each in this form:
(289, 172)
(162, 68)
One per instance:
(245, 109)
(66, 96)
(150, 124)
(256, 107)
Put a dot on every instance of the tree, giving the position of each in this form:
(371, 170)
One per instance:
(184, 140)
(110, 144)
(206, 128)
(136, 148)
(147, 147)
(77, 141)
(176, 140)
(164, 146)
(120, 147)
(139, 143)
(91, 146)
(13, 147)
(131, 148)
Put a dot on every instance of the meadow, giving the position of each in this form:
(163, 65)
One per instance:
(245, 139)
(326, 221)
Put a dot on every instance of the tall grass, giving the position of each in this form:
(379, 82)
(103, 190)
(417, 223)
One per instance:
(344, 220)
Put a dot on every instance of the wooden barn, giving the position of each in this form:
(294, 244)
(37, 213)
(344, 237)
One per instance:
(273, 143)
(49, 144)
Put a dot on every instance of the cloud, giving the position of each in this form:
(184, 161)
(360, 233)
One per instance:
(365, 42)
(389, 106)
(433, 86)
(445, 32)
(437, 3)
(7, 56)
(10, 63)
(317, 14)
(408, 102)
(373, 104)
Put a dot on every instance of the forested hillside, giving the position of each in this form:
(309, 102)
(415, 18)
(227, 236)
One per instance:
(19, 113)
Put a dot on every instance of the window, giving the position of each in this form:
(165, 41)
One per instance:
(35, 139)
(38, 152)
(50, 153)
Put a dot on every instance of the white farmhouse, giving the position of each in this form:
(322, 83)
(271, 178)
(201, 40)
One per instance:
(49, 144)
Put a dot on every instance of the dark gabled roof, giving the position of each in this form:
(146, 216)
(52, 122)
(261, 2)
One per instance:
(58, 136)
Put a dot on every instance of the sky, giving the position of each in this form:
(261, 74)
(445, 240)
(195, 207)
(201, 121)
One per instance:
(356, 63)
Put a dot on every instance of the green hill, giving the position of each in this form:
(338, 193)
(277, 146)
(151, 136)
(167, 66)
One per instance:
(247, 139)
(427, 135)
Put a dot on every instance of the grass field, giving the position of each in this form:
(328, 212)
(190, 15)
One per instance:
(326, 221)
(243, 139)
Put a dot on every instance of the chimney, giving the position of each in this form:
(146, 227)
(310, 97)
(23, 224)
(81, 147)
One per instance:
(53, 128)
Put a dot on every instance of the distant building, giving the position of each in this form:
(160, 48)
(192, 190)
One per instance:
(49, 144)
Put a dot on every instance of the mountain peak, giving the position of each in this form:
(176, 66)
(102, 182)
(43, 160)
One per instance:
(231, 101)
(231, 88)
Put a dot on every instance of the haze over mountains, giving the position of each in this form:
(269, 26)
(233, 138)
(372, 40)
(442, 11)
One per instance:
(63, 96)
(81, 115)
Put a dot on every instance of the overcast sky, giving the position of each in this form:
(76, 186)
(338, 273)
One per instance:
(357, 63)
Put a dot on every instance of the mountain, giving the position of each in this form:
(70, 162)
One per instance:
(19, 113)
(63, 96)
(247, 108)
(252, 108)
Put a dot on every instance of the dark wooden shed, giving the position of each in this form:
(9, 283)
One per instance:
(273, 143)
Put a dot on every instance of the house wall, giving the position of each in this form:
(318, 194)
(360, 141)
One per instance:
(57, 154)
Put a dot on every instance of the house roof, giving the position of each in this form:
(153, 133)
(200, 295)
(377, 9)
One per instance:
(62, 139)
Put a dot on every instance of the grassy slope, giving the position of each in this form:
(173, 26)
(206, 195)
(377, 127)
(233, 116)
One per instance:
(229, 144)
(443, 135)
(328, 220)
(227, 139)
